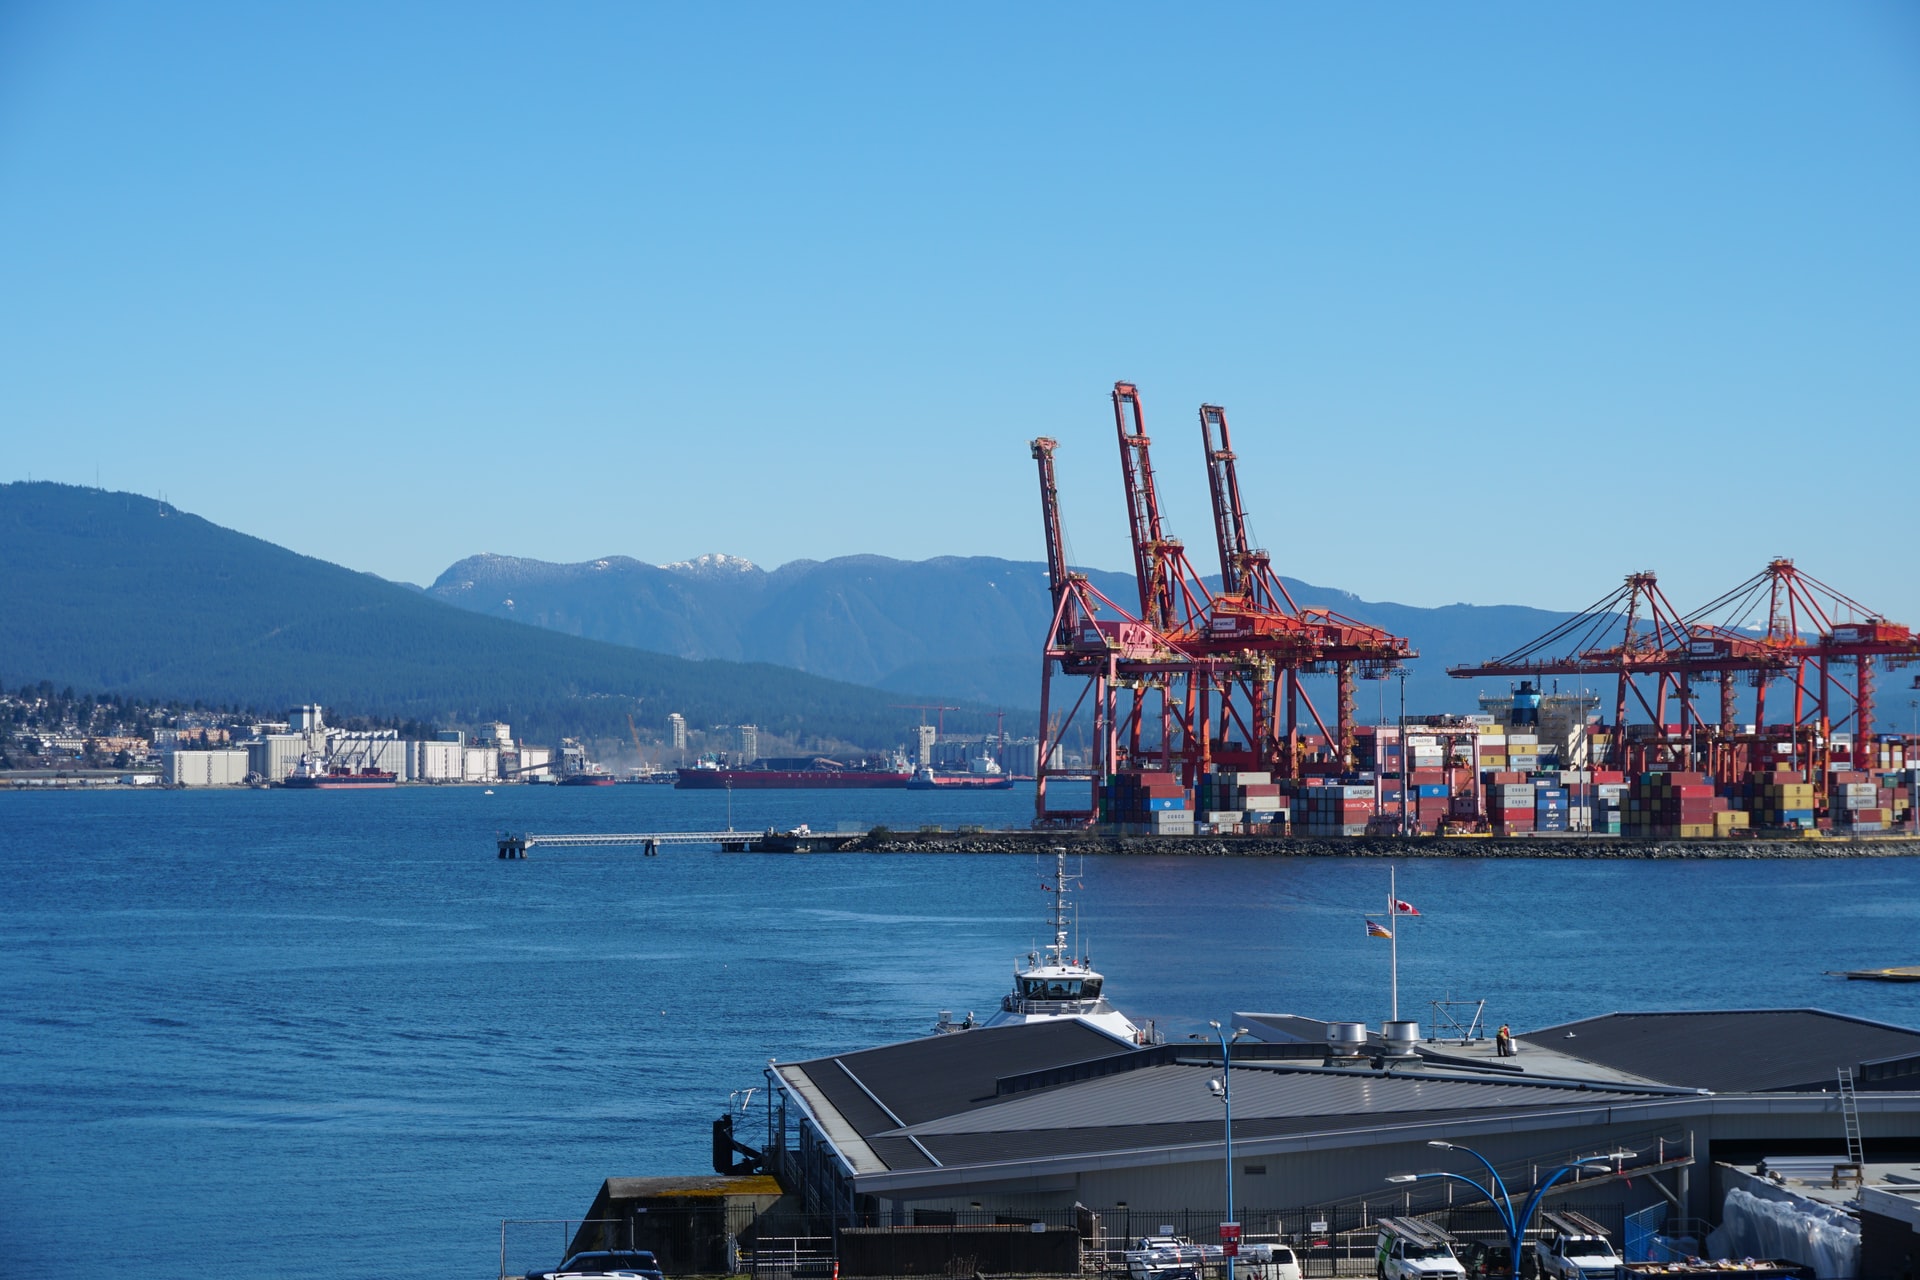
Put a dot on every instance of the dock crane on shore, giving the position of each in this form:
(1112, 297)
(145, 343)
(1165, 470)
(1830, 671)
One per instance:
(1190, 649)
(1809, 629)
(1254, 609)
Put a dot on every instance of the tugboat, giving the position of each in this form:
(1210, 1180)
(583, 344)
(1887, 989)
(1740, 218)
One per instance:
(1054, 984)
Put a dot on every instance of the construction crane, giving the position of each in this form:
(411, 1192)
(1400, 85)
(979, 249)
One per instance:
(940, 726)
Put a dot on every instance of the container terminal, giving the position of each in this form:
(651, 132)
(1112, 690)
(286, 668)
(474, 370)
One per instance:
(1199, 723)
(1055, 1135)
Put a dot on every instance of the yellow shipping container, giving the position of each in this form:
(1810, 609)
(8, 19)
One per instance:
(1696, 831)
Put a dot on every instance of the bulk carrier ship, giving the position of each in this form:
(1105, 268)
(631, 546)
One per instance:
(796, 775)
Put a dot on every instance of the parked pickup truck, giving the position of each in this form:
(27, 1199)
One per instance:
(1412, 1249)
(1581, 1255)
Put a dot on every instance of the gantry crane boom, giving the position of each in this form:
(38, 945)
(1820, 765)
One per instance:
(1043, 449)
(1171, 597)
(1229, 517)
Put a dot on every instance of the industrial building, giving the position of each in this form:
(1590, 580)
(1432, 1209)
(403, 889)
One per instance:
(277, 750)
(218, 768)
(1055, 1118)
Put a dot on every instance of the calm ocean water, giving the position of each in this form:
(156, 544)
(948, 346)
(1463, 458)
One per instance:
(332, 1035)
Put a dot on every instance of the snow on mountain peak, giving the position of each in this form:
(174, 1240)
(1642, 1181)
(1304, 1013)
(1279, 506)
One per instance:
(712, 565)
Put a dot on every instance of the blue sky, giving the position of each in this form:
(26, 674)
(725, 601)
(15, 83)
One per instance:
(1504, 301)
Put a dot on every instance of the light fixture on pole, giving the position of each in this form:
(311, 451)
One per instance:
(1223, 1090)
(1496, 1194)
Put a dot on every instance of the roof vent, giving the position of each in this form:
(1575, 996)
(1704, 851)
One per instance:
(1400, 1038)
(1346, 1039)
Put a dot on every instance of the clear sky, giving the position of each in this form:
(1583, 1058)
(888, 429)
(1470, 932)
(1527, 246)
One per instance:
(1504, 301)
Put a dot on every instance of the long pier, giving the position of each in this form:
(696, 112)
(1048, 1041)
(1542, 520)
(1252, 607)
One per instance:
(514, 845)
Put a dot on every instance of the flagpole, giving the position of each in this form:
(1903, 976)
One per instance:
(1393, 930)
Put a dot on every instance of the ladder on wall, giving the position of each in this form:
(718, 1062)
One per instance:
(1850, 1116)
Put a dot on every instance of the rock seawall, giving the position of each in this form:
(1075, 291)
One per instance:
(1373, 847)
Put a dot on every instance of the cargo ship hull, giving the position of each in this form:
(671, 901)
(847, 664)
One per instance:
(960, 784)
(789, 779)
(367, 781)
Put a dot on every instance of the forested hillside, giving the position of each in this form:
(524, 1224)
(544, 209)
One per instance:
(118, 593)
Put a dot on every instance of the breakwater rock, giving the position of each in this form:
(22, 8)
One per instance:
(1077, 842)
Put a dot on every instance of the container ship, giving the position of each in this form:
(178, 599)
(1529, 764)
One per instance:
(795, 775)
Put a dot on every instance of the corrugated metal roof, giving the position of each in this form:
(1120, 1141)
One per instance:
(1179, 1095)
(1730, 1051)
(1284, 1028)
(1032, 1144)
(936, 1076)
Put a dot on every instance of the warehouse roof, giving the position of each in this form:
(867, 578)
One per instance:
(968, 1099)
(896, 1084)
(1737, 1050)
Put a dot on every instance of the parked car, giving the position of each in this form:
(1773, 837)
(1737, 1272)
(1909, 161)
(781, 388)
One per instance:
(626, 1264)
(1485, 1261)
(1268, 1262)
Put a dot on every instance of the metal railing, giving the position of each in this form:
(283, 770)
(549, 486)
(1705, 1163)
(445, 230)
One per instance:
(524, 1254)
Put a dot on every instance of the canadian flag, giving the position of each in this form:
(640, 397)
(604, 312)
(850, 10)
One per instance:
(1404, 908)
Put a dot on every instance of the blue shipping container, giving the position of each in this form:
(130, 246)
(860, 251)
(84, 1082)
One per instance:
(1551, 820)
(1430, 791)
(1169, 804)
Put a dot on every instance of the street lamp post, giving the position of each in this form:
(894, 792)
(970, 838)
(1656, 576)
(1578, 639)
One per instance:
(1497, 1195)
(1223, 1090)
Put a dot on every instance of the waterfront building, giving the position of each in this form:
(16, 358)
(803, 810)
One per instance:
(1042, 1120)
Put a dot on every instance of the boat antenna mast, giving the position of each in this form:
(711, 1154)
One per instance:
(1058, 950)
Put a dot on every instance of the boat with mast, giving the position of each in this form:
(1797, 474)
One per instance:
(1053, 982)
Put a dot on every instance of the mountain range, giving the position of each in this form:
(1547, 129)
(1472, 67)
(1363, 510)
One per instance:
(963, 628)
(114, 592)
